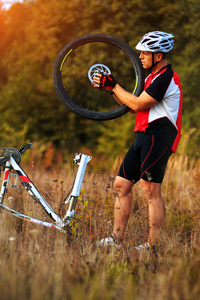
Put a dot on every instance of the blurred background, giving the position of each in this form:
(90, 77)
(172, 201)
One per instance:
(32, 34)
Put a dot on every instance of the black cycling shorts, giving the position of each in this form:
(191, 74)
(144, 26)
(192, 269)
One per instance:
(146, 159)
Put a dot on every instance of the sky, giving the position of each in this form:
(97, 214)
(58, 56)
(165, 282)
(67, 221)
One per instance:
(8, 3)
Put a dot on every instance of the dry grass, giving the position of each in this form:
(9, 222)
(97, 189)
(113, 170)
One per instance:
(38, 263)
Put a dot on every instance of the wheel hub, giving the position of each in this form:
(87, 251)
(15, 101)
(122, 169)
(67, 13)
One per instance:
(97, 68)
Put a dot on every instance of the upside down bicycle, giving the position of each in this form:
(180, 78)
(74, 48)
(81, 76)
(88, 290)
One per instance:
(10, 162)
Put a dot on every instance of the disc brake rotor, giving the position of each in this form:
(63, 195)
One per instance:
(97, 68)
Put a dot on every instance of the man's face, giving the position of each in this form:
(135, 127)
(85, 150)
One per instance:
(146, 59)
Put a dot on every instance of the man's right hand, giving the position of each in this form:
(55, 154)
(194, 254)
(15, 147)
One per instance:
(105, 82)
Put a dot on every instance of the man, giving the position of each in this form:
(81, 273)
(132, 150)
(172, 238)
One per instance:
(158, 126)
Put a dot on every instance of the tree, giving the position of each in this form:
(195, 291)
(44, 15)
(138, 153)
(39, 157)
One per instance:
(33, 33)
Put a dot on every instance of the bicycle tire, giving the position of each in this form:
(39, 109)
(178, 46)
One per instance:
(70, 75)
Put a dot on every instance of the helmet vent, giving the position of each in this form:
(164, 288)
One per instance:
(156, 41)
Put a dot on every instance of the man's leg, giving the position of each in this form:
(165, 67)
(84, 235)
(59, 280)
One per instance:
(156, 209)
(122, 207)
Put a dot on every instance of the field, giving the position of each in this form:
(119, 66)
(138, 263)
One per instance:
(39, 263)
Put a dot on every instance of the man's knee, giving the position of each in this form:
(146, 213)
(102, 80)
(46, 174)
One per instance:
(151, 189)
(122, 185)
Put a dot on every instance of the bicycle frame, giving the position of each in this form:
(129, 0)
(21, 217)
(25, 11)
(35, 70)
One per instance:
(60, 224)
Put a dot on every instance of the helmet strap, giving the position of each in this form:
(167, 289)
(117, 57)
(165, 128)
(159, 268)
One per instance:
(153, 63)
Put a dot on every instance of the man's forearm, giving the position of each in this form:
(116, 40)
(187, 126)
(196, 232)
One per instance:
(124, 97)
(137, 104)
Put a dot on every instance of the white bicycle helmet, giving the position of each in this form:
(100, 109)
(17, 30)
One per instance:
(156, 41)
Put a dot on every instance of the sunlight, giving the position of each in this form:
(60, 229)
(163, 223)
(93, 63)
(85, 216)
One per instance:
(6, 4)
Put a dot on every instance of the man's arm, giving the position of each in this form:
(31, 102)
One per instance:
(131, 111)
(137, 104)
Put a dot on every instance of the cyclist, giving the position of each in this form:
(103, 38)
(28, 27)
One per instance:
(158, 126)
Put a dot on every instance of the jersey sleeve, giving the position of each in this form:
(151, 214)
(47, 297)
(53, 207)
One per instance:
(159, 86)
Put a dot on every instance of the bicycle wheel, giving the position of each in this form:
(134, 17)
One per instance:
(78, 61)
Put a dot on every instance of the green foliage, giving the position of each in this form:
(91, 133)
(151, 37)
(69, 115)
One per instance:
(114, 141)
(33, 33)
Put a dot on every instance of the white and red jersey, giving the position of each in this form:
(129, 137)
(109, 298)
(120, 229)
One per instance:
(164, 118)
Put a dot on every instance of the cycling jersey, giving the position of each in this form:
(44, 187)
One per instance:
(164, 118)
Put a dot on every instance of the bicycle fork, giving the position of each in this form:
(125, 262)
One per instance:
(81, 160)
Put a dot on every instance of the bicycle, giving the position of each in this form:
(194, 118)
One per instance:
(10, 161)
(77, 63)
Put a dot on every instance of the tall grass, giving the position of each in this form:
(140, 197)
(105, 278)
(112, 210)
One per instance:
(38, 262)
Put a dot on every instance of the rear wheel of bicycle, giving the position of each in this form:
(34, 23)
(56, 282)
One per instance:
(80, 59)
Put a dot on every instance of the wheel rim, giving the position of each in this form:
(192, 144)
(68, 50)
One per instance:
(79, 65)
